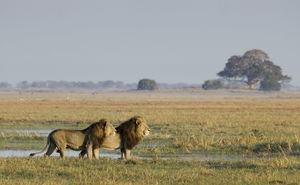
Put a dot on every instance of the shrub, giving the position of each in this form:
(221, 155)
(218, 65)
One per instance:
(278, 147)
(270, 85)
(212, 84)
(147, 84)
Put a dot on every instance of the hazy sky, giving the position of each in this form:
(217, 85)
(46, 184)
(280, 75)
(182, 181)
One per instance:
(166, 40)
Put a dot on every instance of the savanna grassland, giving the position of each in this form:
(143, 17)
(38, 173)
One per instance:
(143, 172)
(259, 132)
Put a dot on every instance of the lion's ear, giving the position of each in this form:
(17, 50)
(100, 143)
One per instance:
(137, 121)
(104, 121)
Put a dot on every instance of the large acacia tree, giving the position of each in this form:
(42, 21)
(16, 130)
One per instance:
(252, 67)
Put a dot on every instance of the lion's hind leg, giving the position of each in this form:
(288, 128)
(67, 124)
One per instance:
(51, 149)
(82, 153)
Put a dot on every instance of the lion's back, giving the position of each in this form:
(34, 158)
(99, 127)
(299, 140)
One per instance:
(68, 137)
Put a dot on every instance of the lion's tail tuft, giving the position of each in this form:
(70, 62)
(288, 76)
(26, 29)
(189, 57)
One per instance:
(47, 145)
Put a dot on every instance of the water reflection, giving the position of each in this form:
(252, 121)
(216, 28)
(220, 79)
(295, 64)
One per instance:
(41, 132)
(68, 153)
(185, 157)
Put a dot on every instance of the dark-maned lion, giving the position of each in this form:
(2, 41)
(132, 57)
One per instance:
(78, 140)
(128, 135)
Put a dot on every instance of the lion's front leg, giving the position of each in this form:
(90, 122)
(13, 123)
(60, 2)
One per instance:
(96, 153)
(122, 153)
(127, 154)
(62, 151)
(90, 151)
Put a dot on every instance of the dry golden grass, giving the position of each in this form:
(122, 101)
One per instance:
(180, 121)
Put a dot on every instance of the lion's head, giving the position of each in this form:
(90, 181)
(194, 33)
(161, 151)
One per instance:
(100, 130)
(141, 126)
(107, 127)
(133, 131)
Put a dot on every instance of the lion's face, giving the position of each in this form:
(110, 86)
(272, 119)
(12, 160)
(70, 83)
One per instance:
(108, 127)
(142, 127)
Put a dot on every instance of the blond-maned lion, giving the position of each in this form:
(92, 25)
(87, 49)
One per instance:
(128, 135)
(61, 139)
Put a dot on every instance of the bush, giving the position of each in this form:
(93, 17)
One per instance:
(147, 84)
(272, 147)
(270, 85)
(212, 84)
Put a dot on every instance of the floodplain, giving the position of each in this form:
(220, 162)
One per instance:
(197, 137)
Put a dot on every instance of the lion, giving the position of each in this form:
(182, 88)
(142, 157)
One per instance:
(77, 140)
(128, 135)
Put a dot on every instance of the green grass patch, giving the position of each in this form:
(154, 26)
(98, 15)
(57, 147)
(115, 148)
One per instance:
(112, 171)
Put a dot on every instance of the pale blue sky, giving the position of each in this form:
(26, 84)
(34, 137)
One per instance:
(166, 40)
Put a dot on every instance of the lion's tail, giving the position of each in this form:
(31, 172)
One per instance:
(47, 145)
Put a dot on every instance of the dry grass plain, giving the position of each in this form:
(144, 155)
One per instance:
(182, 122)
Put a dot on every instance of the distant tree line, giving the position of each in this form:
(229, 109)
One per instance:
(108, 84)
(49, 84)
(5, 85)
(253, 69)
(177, 85)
